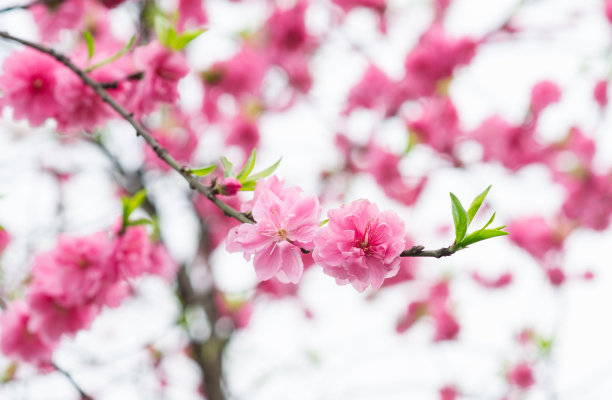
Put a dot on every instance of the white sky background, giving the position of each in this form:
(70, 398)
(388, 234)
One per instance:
(349, 350)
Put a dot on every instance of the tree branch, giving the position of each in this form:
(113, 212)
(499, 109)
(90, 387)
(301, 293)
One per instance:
(84, 396)
(419, 251)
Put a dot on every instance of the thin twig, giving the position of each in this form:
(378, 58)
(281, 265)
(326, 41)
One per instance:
(419, 251)
(84, 396)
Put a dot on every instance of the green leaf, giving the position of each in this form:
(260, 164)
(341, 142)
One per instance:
(141, 221)
(179, 42)
(266, 172)
(227, 167)
(203, 171)
(460, 218)
(248, 167)
(476, 203)
(132, 203)
(109, 60)
(479, 236)
(248, 186)
(489, 222)
(90, 44)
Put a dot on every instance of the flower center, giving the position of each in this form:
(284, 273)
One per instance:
(37, 83)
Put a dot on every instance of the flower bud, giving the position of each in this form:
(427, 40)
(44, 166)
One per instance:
(230, 186)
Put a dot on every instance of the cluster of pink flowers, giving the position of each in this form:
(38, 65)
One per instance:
(38, 87)
(359, 245)
(71, 283)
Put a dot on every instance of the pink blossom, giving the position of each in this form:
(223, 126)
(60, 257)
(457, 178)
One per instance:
(500, 281)
(191, 14)
(544, 94)
(50, 319)
(162, 263)
(608, 10)
(579, 145)
(555, 276)
(240, 76)
(600, 91)
(535, 235)
(243, 132)
(51, 18)
(286, 221)
(81, 107)
(286, 30)
(407, 268)
(111, 3)
(414, 312)
(438, 126)
(5, 239)
(131, 252)
(514, 146)
(230, 186)
(374, 91)
(588, 200)
(384, 167)
(76, 271)
(446, 326)
(28, 85)
(163, 68)
(435, 57)
(521, 375)
(16, 338)
(448, 392)
(360, 245)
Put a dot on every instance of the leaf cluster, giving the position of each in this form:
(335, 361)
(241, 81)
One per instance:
(462, 220)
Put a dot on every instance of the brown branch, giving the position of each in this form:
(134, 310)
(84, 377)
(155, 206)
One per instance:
(84, 396)
(419, 251)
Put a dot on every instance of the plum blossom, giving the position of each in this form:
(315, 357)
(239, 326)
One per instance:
(544, 94)
(521, 375)
(163, 68)
(28, 85)
(76, 271)
(285, 221)
(54, 15)
(500, 281)
(535, 235)
(600, 92)
(360, 245)
(18, 340)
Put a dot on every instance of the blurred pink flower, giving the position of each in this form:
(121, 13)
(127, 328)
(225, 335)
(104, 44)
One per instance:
(16, 338)
(521, 375)
(500, 281)
(544, 94)
(76, 271)
(28, 85)
(51, 18)
(360, 245)
(535, 235)
(600, 91)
